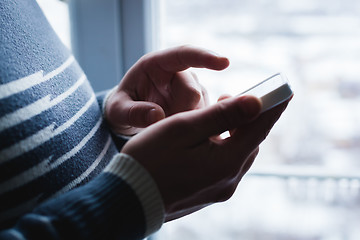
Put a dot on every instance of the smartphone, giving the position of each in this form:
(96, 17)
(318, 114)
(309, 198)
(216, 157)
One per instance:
(272, 91)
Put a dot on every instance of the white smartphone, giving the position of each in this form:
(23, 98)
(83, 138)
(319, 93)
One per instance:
(272, 91)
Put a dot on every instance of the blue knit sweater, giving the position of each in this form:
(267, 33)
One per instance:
(55, 144)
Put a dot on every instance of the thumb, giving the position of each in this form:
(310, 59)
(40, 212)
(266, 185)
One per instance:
(226, 115)
(129, 113)
(142, 114)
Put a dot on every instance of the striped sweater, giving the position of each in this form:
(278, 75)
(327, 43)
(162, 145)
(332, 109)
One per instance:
(53, 139)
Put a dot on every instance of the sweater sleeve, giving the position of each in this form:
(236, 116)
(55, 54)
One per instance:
(121, 203)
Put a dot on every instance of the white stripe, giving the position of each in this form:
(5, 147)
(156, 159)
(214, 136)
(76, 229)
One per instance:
(28, 205)
(27, 82)
(71, 121)
(42, 136)
(85, 174)
(78, 147)
(37, 107)
(27, 144)
(45, 166)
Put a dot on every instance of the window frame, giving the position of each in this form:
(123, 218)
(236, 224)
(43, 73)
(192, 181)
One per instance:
(108, 37)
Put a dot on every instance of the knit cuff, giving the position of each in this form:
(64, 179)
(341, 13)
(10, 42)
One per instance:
(125, 167)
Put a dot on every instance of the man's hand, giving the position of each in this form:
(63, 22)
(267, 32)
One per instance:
(158, 86)
(191, 167)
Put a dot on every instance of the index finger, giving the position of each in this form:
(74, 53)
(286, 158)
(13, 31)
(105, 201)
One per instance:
(181, 58)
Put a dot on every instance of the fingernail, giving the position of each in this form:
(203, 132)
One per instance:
(216, 54)
(153, 116)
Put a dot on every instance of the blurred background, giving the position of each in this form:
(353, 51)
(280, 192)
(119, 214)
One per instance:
(305, 184)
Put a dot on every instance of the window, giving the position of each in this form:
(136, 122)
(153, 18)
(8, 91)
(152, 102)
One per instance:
(305, 181)
(57, 13)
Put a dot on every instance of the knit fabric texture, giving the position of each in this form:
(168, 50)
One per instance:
(52, 134)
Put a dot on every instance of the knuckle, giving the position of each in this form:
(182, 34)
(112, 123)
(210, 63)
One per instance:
(194, 95)
(184, 47)
(145, 58)
(135, 116)
(195, 77)
(179, 56)
(226, 193)
(148, 60)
